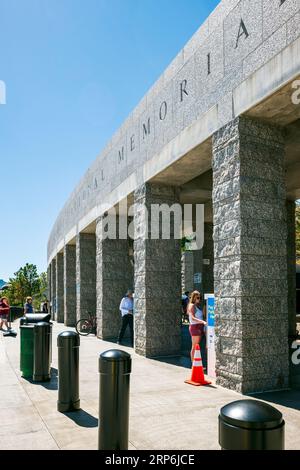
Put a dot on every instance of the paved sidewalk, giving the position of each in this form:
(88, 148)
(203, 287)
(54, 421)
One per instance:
(165, 413)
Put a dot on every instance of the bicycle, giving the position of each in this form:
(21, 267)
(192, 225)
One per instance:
(85, 326)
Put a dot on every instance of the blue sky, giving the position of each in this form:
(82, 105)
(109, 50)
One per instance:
(74, 70)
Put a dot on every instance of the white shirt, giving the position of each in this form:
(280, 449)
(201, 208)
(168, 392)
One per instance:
(126, 306)
(198, 315)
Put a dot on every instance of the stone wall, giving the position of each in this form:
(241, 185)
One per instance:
(114, 278)
(157, 279)
(60, 303)
(53, 289)
(250, 236)
(70, 285)
(85, 275)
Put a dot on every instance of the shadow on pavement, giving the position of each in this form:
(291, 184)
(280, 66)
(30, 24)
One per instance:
(82, 418)
(288, 398)
(51, 384)
(180, 361)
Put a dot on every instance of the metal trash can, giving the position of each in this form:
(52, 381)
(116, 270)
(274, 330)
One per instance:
(35, 318)
(26, 350)
(27, 323)
(68, 344)
(251, 425)
(42, 352)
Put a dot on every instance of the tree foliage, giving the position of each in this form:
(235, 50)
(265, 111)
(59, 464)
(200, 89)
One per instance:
(27, 282)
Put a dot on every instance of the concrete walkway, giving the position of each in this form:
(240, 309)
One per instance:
(165, 413)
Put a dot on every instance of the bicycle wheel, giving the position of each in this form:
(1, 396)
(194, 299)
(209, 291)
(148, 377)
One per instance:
(84, 327)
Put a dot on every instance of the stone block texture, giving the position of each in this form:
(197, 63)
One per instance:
(60, 304)
(114, 278)
(157, 278)
(70, 285)
(291, 265)
(250, 245)
(53, 289)
(208, 254)
(187, 271)
(49, 282)
(85, 275)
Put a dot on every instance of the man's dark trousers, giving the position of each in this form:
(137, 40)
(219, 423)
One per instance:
(126, 320)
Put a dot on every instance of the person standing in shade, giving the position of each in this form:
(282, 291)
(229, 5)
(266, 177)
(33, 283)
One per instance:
(184, 306)
(28, 307)
(197, 314)
(126, 308)
(45, 308)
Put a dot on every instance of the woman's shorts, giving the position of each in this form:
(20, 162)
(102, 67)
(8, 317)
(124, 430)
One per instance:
(3, 317)
(196, 330)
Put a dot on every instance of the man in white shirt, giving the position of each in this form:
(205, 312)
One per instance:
(126, 308)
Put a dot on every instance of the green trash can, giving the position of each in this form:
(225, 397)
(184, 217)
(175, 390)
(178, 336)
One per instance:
(26, 353)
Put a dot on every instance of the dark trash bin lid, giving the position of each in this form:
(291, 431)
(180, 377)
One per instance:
(251, 414)
(37, 317)
(42, 324)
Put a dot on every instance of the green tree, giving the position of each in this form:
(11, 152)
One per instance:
(27, 282)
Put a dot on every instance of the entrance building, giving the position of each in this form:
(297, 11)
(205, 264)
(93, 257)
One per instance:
(221, 128)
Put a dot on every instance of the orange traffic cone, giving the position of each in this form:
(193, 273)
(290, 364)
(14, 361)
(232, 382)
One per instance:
(197, 370)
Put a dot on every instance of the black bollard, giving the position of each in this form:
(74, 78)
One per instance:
(41, 355)
(251, 425)
(115, 369)
(68, 344)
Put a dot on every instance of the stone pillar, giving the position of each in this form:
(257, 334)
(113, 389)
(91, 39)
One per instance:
(85, 275)
(49, 282)
(208, 257)
(60, 288)
(70, 285)
(114, 276)
(157, 279)
(197, 269)
(250, 257)
(291, 265)
(53, 289)
(187, 271)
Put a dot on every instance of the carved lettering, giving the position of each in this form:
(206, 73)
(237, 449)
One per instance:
(146, 129)
(242, 32)
(183, 91)
(132, 143)
(121, 155)
(163, 111)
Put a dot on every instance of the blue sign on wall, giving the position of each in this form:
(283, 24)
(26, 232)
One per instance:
(211, 311)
